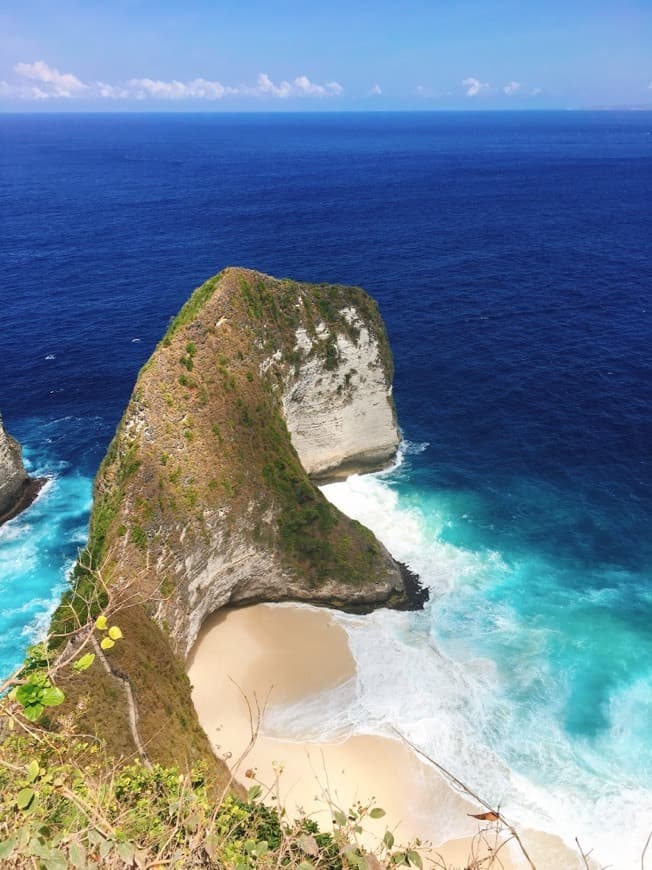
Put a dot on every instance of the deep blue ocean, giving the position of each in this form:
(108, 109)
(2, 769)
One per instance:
(510, 254)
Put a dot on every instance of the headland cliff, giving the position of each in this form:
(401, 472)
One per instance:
(207, 496)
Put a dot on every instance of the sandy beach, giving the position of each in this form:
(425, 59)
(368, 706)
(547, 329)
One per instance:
(269, 655)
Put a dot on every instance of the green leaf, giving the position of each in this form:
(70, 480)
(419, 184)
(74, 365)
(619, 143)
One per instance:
(305, 865)
(94, 837)
(36, 656)
(7, 847)
(126, 851)
(52, 859)
(77, 855)
(52, 697)
(33, 770)
(388, 839)
(254, 792)
(56, 860)
(24, 835)
(27, 694)
(339, 818)
(115, 633)
(105, 847)
(33, 711)
(107, 643)
(377, 813)
(84, 663)
(24, 798)
(250, 846)
(102, 623)
(414, 858)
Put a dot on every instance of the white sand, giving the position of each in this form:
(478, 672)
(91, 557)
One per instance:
(269, 655)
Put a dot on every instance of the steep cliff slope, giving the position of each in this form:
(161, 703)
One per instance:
(17, 489)
(202, 499)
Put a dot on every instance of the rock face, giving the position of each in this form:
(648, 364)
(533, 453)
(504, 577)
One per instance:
(341, 419)
(16, 487)
(204, 498)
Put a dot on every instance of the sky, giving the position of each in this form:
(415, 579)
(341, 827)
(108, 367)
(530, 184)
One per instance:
(311, 55)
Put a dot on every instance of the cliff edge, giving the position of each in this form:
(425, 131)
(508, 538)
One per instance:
(204, 498)
(17, 489)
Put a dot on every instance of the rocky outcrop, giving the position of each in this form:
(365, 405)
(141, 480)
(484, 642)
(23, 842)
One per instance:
(205, 493)
(204, 498)
(17, 489)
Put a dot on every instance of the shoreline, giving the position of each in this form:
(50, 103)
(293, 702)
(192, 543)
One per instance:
(269, 657)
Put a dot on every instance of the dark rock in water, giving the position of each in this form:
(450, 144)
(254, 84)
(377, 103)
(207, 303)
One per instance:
(416, 593)
(17, 489)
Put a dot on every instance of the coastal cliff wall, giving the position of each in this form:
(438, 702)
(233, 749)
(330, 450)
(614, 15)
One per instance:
(14, 480)
(339, 410)
(204, 498)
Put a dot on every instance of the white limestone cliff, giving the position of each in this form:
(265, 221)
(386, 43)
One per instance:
(341, 419)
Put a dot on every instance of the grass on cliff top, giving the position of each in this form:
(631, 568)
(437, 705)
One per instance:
(192, 308)
(56, 813)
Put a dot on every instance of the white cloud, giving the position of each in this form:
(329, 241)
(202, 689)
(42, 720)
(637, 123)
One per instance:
(535, 92)
(51, 82)
(299, 87)
(197, 89)
(38, 81)
(376, 91)
(111, 92)
(203, 89)
(650, 86)
(511, 88)
(474, 86)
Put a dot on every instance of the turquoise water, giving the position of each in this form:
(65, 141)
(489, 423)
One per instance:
(39, 547)
(526, 678)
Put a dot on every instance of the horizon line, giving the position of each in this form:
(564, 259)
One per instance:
(349, 111)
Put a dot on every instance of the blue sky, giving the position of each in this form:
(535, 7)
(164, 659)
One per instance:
(79, 55)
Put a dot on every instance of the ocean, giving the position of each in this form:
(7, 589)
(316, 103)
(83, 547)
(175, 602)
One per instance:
(510, 255)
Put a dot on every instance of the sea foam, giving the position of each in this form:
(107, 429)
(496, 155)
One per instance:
(500, 732)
